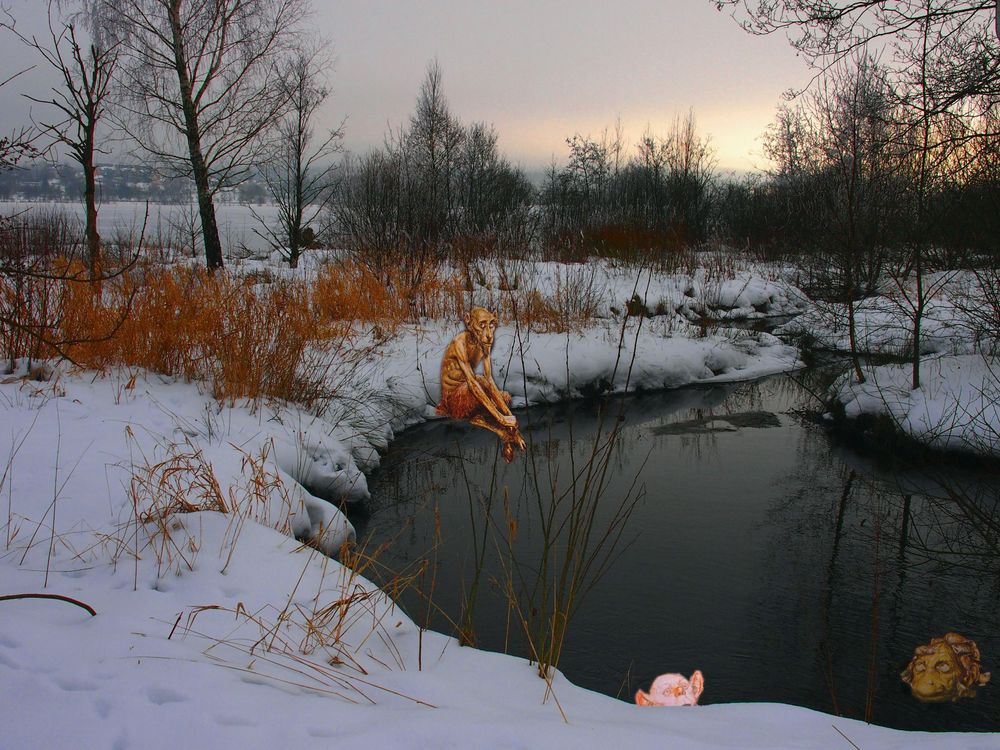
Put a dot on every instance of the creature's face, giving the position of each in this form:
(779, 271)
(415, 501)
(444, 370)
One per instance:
(935, 673)
(673, 690)
(482, 324)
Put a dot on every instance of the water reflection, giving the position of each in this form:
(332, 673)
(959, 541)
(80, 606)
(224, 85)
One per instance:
(782, 566)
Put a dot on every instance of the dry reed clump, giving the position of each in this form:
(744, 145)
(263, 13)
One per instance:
(35, 267)
(337, 622)
(349, 290)
(318, 640)
(248, 342)
(31, 308)
(574, 303)
(184, 481)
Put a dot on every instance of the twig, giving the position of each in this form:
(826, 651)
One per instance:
(59, 597)
(845, 737)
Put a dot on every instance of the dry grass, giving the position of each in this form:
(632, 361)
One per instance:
(258, 337)
(319, 642)
(349, 290)
(574, 303)
(246, 342)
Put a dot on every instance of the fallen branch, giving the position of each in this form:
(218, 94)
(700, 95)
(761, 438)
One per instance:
(58, 597)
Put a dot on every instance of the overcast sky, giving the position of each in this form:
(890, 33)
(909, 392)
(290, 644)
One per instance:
(539, 70)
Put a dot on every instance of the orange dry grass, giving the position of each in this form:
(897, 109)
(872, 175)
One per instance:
(250, 340)
(350, 291)
(573, 304)
(246, 342)
(30, 310)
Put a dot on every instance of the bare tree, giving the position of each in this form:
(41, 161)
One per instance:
(933, 121)
(837, 157)
(962, 60)
(690, 161)
(80, 102)
(433, 146)
(300, 169)
(944, 64)
(201, 85)
(19, 145)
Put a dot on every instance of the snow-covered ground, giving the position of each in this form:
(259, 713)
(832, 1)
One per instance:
(175, 517)
(884, 323)
(956, 406)
(602, 288)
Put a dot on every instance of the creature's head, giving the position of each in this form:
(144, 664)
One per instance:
(945, 669)
(672, 690)
(482, 324)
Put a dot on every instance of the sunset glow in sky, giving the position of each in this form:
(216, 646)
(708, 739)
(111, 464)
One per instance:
(539, 70)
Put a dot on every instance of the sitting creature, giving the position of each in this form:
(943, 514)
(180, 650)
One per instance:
(672, 690)
(476, 398)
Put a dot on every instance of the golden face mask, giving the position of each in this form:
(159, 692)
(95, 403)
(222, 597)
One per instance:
(946, 669)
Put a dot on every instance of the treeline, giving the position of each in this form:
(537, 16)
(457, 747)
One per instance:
(870, 163)
(860, 171)
(857, 180)
(439, 188)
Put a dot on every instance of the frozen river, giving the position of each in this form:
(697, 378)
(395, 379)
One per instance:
(169, 224)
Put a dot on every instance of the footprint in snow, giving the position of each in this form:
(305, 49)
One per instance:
(74, 685)
(231, 720)
(162, 696)
(103, 707)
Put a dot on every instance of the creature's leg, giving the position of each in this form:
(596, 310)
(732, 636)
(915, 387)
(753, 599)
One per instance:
(461, 403)
(478, 420)
(510, 438)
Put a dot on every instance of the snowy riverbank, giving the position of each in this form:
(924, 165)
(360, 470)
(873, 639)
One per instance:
(956, 406)
(173, 517)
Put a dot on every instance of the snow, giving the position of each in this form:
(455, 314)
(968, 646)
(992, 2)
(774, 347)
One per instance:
(884, 322)
(956, 408)
(217, 625)
(702, 291)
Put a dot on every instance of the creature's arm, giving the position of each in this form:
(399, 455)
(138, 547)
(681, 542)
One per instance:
(477, 390)
(494, 391)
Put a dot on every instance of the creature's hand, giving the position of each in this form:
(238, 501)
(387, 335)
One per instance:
(508, 420)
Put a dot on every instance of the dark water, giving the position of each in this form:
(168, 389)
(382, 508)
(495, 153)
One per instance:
(783, 566)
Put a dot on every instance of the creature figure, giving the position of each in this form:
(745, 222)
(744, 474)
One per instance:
(945, 669)
(672, 690)
(472, 397)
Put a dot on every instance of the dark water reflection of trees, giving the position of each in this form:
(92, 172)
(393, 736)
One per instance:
(784, 566)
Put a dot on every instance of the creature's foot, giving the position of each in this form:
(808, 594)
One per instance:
(511, 441)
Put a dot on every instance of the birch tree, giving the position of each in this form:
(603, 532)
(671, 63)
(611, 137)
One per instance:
(201, 86)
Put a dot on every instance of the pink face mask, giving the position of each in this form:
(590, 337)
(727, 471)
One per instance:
(672, 689)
